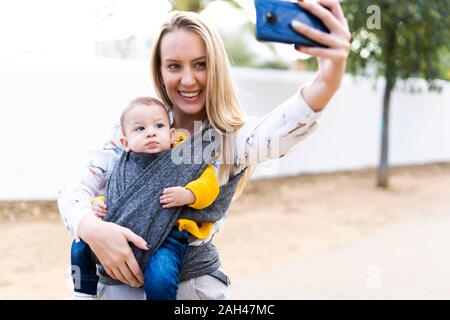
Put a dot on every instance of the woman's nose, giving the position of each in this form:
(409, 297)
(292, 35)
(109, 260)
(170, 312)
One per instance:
(188, 77)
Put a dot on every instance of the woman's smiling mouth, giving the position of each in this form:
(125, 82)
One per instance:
(189, 95)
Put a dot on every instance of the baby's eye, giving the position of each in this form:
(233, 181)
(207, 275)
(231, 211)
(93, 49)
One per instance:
(160, 125)
(141, 128)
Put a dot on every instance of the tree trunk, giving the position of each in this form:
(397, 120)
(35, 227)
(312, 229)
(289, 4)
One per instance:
(390, 76)
(383, 168)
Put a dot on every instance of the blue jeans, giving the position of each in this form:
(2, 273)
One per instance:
(163, 270)
(161, 275)
(84, 269)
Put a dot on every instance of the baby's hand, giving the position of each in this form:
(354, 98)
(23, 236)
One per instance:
(176, 196)
(98, 206)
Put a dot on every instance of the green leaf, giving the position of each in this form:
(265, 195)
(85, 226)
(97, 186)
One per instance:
(411, 41)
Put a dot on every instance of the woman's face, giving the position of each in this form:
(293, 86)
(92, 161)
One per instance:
(183, 70)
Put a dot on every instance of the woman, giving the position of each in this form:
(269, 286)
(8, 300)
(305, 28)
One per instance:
(191, 75)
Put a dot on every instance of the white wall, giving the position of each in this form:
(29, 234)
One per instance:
(350, 127)
(51, 113)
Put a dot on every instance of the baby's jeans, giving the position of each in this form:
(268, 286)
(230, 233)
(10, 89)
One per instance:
(163, 270)
(84, 270)
(160, 277)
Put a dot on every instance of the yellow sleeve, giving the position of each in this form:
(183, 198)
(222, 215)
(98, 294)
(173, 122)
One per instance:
(205, 188)
(101, 198)
(201, 230)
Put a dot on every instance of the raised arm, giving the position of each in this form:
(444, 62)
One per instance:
(331, 60)
(276, 134)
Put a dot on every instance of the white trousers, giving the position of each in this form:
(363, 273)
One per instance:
(200, 288)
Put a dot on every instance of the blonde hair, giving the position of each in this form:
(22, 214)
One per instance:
(222, 107)
(140, 101)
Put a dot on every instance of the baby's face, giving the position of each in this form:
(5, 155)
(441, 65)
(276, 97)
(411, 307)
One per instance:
(147, 129)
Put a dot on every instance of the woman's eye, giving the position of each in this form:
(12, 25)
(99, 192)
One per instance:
(200, 65)
(174, 66)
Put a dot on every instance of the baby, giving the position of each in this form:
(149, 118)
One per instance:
(147, 132)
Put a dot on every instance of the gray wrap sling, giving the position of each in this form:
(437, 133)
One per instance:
(133, 192)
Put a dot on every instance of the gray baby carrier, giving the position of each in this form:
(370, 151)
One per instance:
(138, 180)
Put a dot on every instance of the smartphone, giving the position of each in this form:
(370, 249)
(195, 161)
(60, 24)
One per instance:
(273, 22)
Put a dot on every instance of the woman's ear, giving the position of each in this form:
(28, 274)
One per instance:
(124, 142)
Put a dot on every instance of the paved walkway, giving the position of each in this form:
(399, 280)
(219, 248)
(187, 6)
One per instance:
(411, 261)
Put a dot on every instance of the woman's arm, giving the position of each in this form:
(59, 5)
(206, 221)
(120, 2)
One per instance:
(274, 135)
(108, 241)
(88, 181)
(332, 60)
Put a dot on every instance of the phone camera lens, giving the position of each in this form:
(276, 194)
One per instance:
(271, 18)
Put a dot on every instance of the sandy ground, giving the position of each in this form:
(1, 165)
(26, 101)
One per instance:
(275, 222)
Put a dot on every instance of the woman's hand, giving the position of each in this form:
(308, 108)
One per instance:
(109, 242)
(332, 60)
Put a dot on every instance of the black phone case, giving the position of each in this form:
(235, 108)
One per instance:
(273, 22)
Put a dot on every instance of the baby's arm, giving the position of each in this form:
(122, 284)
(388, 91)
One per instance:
(176, 197)
(198, 194)
(98, 206)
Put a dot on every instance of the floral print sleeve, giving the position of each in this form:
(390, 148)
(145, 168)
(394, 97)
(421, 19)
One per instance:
(275, 134)
(88, 181)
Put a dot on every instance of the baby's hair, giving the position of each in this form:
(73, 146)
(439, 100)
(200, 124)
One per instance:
(140, 101)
